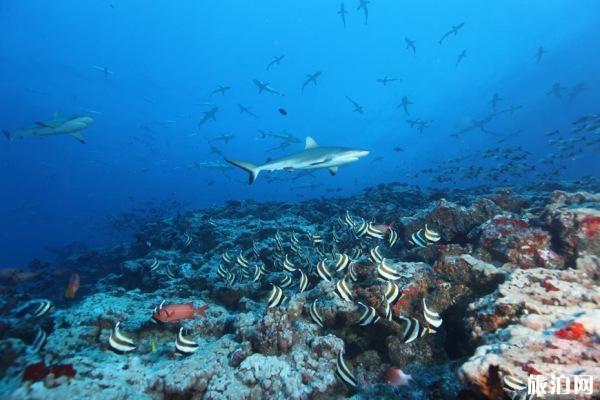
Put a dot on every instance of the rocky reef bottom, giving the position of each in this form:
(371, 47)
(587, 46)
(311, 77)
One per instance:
(392, 293)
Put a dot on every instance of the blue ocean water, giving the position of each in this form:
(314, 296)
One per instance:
(145, 151)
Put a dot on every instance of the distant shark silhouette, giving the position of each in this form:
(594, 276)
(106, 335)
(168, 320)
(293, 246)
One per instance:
(59, 125)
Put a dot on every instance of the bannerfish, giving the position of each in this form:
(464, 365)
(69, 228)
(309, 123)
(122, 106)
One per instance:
(176, 312)
(73, 286)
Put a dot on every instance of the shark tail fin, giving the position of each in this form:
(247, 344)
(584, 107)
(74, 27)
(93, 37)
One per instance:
(253, 170)
(7, 134)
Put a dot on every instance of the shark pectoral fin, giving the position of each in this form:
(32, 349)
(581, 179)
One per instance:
(78, 136)
(252, 170)
(333, 170)
(310, 143)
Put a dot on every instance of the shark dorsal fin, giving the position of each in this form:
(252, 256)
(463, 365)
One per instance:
(310, 143)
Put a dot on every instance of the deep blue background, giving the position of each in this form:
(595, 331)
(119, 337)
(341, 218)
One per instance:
(168, 56)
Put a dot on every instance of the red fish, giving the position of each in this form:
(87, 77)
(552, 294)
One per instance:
(73, 286)
(395, 377)
(176, 312)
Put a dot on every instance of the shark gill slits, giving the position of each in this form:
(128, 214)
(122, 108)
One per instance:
(184, 345)
(342, 290)
(276, 297)
(315, 314)
(119, 342)
(369, 315)
(343, 372)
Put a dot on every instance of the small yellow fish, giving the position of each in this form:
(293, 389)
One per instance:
(152, 346)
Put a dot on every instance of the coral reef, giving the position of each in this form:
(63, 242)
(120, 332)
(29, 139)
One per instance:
(496, 283)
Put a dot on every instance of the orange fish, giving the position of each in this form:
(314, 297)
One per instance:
(73, 286)
(175, 312)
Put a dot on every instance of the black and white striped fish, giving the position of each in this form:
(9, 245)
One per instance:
(231, 279)
(255, 249)
(341, 263)
(392, 237)
(288, 265)
(392, 293)
(303, 281)
(369, 315)
(169, 272)
(413, 329)
(361, 228)
(258, 272)
(286, 281)
(343, 372)
(222, 272)
(276, 297)
(323, 271)
(227, 258)
(155, 264)
(43, 306)
(352, 273)
(184, 345)
(375, 255)
(387, 309)
(39, 341)
(374, 232)
(187, 239)
(295, 240)
(242, 261)
(315, 239)
(387, 272)
(315, 315)
(431, 235)
(348, 220)
(356, 253)
(342, 290)
(432, 317)
(515, 388)
(119, 342)
(417, 239)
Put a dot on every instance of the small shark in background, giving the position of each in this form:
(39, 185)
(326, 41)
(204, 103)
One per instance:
(556, 90)
(104, 70)
(276, 61)
(461, 57)
(357, 107)
(494, 101)
(59, 125)
(385, 80)
(311, 78)
(220, 89)
(342, 13)
(405, 103)
(312, 157)
(245, 110)
(454, 30)
(217, 151)
(363, 5)
(577, 90)
(262, 86)
(208, 115)
(539, 54)
(410, 44)
(226, 137)
(212, 166)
